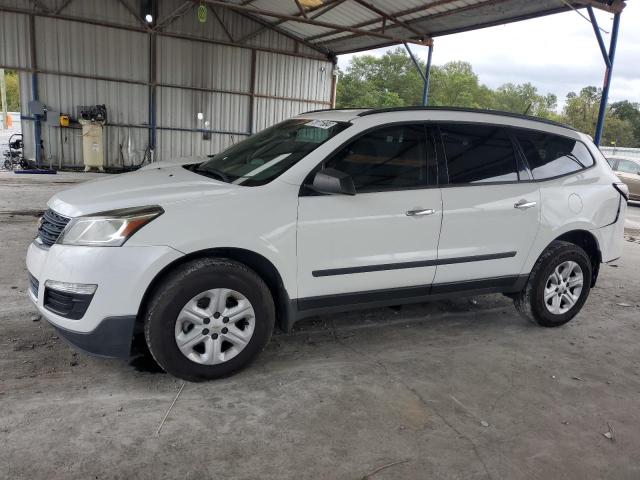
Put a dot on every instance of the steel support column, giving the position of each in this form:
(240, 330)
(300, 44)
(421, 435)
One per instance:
(427, 77)
(608, 58)
(34, 91)
(153, 105)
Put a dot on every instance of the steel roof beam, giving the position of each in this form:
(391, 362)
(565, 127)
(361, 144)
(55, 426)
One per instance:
(308, 21)
(616, 6)
(402, 13)
(175, 15)
(329, 4)
(389, 16)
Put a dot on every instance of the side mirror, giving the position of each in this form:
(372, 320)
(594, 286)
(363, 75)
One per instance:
(333, 181)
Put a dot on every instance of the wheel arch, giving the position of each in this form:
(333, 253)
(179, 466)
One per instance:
(257, 262)
(589, 243)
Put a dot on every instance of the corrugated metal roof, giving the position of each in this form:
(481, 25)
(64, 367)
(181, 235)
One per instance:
(343, 26)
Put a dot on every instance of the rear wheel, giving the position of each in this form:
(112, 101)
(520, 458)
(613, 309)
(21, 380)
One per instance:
(208, 319)
(558, 286)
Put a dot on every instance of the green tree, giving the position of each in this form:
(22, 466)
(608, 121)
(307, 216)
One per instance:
(456, 85)
(13, 90)
(388, 81)
(393, 81)
(581, 111)
(626, 110)
(525, 99)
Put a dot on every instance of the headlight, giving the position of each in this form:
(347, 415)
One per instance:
(108, 229)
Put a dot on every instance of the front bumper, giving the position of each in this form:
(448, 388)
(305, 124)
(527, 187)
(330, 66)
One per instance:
(111, 338)
(122, 274)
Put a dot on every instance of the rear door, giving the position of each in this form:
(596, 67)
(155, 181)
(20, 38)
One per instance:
(384, 237)
(490, 212)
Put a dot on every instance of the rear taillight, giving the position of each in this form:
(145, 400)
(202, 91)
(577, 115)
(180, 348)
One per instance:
(622, 189)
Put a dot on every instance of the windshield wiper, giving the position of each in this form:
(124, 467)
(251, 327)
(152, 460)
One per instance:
(213, 173)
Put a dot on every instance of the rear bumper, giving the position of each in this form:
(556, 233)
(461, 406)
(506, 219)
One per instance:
(611, 237)
(110, 339)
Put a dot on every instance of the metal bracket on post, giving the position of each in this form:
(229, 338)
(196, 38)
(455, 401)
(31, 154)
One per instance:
(609, 58)
(426, 75)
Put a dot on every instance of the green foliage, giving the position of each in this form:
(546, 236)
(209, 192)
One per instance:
(393, 81)
(390, 81)
(13, 91)
(630, 112)
(622, 119)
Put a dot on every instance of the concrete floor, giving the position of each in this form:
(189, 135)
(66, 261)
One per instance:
(459, 389)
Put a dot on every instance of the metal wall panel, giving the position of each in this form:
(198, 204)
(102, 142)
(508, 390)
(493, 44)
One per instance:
(178, 108)
(14, 40)
(270, 111)
(123, 147)
(126, 103)
(74, 47)
(80, 64)
(203, 65)
(286, 76)
(174, 145)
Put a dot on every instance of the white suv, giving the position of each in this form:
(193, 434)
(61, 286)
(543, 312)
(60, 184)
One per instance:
(331, 210)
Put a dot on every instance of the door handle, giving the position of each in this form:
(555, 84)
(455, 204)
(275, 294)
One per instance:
(420, 212)
(523, 204)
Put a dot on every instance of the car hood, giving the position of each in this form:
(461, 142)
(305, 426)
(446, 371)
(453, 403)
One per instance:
(150, 186)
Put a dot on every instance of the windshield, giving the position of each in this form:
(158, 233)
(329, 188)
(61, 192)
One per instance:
(265, 155)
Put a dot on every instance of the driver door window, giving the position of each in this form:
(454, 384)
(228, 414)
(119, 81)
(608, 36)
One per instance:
(391, 158)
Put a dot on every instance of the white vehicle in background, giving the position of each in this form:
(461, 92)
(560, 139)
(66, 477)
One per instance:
(332, 210)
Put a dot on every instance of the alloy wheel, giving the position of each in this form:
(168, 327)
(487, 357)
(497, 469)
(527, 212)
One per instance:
(563, 287)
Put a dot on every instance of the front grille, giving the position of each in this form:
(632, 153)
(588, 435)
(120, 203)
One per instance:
(68, 305)
(51, 227)
(34, 285)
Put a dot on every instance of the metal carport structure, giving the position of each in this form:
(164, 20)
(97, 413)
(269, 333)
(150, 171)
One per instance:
(347, 26)
(278, 52)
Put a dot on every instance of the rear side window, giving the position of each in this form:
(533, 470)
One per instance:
(550, 155)
(478, 154)
(627, 166)
(389, 158)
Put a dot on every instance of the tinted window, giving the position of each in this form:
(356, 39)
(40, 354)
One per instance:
(551, 155)
(478, 153)
(627, 166)
(389, 158)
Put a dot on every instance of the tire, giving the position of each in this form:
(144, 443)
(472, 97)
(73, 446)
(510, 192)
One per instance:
(8, 165)
(169, 319)
(530, 302)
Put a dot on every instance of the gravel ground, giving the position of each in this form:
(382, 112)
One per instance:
(456, 389)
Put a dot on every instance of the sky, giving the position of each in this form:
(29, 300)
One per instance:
(558, 53)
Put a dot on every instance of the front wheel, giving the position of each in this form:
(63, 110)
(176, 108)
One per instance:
(8, 165)
(208, 319)
(558, 286)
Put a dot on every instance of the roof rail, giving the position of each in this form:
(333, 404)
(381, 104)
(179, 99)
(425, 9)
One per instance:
(373, 111)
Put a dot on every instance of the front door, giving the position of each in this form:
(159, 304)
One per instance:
(386, 236)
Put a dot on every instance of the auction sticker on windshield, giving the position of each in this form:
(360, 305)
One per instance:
(325, 124)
